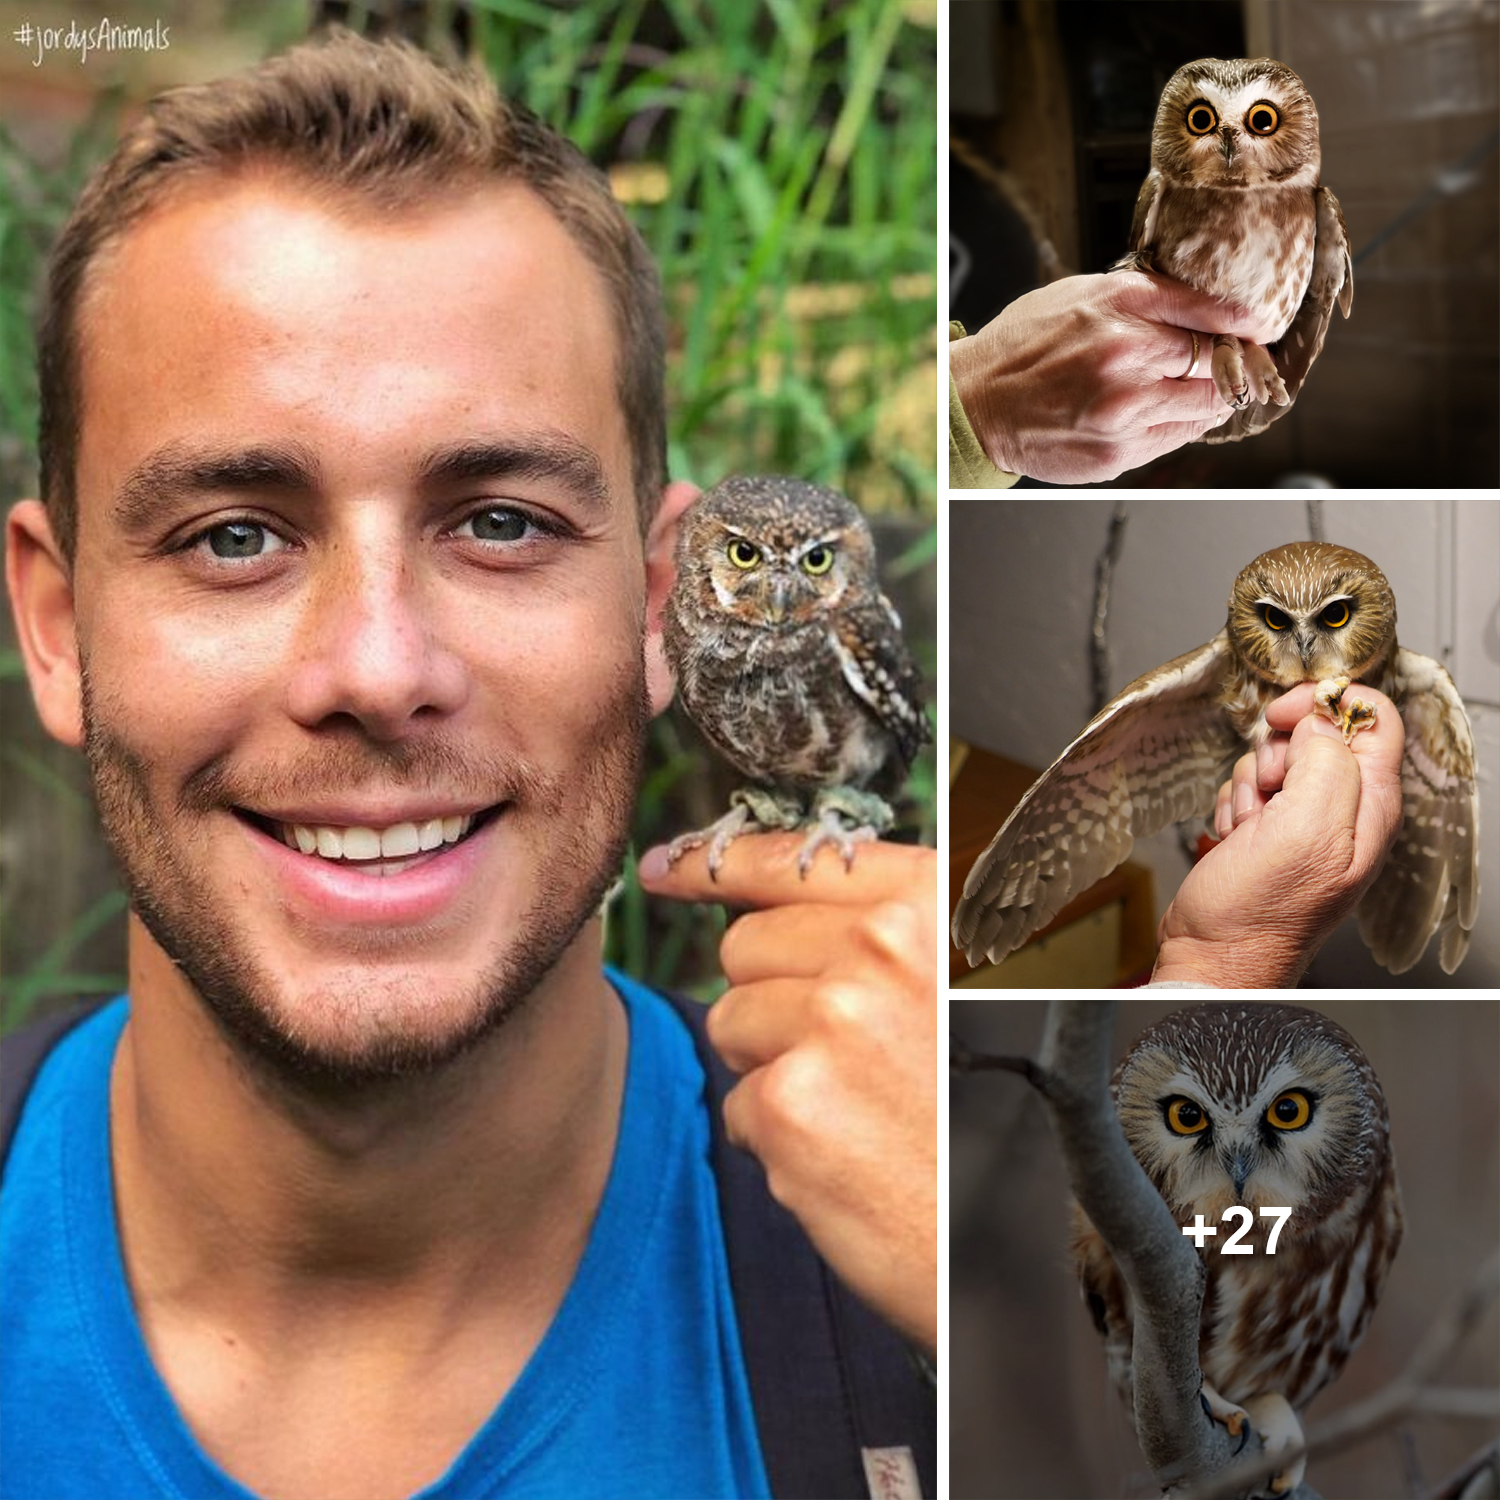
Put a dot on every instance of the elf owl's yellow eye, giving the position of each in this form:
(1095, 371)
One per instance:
(743, 554)
(1186, 1118)
(1291, 1111)
(1262, 119)
(1274, 617)
(1336, 614)
(1201, 117)
(817, 560)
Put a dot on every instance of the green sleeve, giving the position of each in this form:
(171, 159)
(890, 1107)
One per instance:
(968, 468)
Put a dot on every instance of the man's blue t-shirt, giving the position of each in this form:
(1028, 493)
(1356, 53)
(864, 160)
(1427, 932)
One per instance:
(638, 1388)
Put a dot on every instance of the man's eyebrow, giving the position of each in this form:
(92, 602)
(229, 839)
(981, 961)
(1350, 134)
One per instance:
(534, 455)
(176, 471)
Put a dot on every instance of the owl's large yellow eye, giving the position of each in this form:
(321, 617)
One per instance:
(1186, 1118)
(1336, 614)
(1201, 117)
(1291, 1111)
(1262, 119)
(743, 554)
(817, 560)
(1274, 617)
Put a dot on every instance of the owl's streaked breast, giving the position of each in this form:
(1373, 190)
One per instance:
(773, 704)
(1251, 246)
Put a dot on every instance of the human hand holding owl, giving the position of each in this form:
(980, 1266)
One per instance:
(1306, 613)
(1306, 824)
(829, 1018)
(1081, 380)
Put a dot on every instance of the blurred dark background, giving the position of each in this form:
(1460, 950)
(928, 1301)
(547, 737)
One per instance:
(1051, 108)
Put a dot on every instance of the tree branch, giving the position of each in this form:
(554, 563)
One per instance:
(1408, 1393)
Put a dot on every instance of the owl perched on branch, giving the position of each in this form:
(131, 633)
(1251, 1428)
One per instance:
(792, 663)
(1306, 612)
(1264, 1106)
(1233, 206)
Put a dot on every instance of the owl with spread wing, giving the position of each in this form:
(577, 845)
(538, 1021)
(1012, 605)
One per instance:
(1306, 612)
(1234, 207)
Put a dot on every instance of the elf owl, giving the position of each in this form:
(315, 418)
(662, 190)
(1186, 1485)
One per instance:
(1233, 207)
(1306, 612)
(791, 661)
(1264, 1106)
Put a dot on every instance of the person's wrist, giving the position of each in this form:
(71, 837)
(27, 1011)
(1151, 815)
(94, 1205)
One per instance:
(971, 377)
(1261, 961)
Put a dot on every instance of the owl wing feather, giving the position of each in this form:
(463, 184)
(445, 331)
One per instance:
(877, 666)
(1430, 881)
(1294, 352)
(1153, 756)
(1142, 226)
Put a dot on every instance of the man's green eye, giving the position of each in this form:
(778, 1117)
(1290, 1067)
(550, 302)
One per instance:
(239, 539)
(743, 554)
(499, 525)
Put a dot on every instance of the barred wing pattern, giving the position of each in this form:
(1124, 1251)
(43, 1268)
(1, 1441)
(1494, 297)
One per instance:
(1155, 755)
(1430, 881)
(876, 664)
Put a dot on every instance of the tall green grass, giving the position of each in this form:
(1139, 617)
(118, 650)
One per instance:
(780, 160)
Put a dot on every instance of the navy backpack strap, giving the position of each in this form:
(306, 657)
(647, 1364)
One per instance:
(22, 1053)
(837, 1393)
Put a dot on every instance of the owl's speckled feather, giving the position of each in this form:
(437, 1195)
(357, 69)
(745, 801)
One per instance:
(1239, 212)
(1158, 752)
(1279, 1325)
(787, 655)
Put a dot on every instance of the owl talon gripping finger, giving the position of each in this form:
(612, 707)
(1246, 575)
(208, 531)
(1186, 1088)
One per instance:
(1352, 716)
(791, 661)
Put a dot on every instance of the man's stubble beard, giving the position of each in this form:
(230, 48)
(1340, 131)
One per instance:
(205, 943)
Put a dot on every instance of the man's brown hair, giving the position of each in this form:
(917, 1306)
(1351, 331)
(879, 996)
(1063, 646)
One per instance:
(389, 125)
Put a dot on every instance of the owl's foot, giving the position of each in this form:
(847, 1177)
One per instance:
(1244, 373)
(752, 809)
(1350, 717)
(1235, 1418)
(1273, 1418)
(844, 817)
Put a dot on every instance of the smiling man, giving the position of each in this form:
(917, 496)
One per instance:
(347, 578)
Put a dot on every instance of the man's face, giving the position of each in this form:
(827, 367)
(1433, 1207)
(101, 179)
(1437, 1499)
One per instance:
(358, 549)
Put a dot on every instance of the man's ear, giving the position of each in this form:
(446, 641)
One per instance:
(41, 598)
(661, 573)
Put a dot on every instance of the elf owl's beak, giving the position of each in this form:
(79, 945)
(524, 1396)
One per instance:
(776, 609)
(1226, 143)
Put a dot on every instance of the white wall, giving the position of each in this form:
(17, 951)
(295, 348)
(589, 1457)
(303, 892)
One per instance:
(1021, 602)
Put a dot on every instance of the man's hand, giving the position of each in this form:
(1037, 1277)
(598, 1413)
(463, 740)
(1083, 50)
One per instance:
(830, 1016)
(1079, 381)
(1306, 824)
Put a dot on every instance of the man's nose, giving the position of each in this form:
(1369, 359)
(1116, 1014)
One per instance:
(370, 649)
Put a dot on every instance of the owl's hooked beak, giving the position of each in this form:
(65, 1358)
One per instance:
(776, 609)
(1226, 143)
(1307, 643)
(1239, 1166)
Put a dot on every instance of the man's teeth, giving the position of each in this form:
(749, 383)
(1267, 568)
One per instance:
(395, 842)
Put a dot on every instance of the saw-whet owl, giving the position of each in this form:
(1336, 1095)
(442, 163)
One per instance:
(1264, 1106)
(791, 661)
(1156, 754)
(1234, 207)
